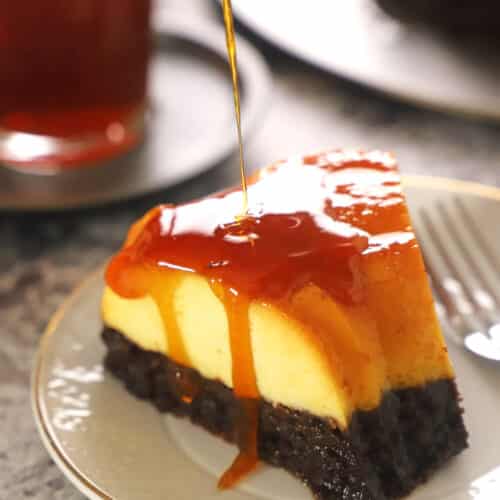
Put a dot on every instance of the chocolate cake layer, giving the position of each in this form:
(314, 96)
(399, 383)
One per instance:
(384, 453)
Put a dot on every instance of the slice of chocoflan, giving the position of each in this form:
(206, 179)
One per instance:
(304, 331)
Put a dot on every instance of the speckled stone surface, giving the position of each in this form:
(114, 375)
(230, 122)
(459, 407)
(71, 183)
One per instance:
(43, 256)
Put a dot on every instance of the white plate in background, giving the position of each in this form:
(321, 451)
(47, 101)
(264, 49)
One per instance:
(356, 40)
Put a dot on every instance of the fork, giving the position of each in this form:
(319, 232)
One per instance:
(462, 267)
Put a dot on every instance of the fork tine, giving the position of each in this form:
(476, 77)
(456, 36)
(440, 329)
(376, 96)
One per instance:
(443, 296)
(467, 255)
(460, 300)
(455, 271)
(482, 243)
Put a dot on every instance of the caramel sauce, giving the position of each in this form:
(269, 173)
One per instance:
(227, 11)
(244, 379)
(311, 221)
(162, 291)
(287, 240)
(244, 382)
(247, 459)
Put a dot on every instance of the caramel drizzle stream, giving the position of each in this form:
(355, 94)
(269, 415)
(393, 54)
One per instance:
(244, 385)
(237, 309)
(233, 64)
(164, 297)
(243, 369)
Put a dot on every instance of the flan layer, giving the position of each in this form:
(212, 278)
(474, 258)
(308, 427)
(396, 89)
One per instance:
(310, 374)
(363, 324)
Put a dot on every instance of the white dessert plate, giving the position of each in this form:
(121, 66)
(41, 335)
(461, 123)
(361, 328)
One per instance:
(356, 40)
(113, 446)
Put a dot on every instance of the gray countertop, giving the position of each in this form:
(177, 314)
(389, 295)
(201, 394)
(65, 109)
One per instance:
(43, 256)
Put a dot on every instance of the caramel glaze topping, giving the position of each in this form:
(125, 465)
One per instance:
(310, 221)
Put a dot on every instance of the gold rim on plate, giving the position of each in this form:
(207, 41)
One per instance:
(423, 182)
(36, 387)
